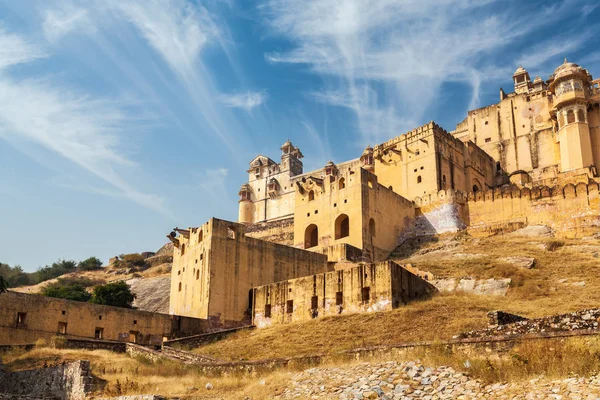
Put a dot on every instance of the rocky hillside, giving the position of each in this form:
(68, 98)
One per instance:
(148, 274)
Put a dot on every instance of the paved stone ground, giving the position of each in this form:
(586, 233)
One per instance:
(411, 380)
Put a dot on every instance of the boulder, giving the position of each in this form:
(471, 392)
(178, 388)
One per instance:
(519, 261)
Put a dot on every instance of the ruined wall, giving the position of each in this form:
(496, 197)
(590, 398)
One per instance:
(570, 210)
(366, 287)
(217, 285)
(72, 381)
(279, 231)
(45, 317)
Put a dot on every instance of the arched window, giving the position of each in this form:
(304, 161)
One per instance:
(197, 274)
(419, 179)
(372, 227)
(580, 116)
(341, 183)
(311, 195)
(475, 188)
(570, 117)
(183, 249)
(180, 286)
(311, 236)
(342, 226)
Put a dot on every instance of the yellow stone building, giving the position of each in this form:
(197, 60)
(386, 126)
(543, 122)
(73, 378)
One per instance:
(305, 241)
(543, 132)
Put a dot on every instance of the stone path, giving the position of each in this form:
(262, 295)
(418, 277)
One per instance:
(411, 380)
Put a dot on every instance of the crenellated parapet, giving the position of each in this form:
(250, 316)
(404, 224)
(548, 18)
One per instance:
(447, 196)
(568, 191)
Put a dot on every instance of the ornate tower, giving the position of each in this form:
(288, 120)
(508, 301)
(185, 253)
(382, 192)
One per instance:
(245, 214)
(522, 80)
(570, 84)
(367, 159)
(290, 158)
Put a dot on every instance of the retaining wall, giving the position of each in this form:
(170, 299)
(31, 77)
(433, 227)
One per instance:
(72, 381)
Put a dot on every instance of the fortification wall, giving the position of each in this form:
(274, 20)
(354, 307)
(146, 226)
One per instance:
(366, 287)
(441, 212)
(24, 318)
(280, 231)
(571, 210)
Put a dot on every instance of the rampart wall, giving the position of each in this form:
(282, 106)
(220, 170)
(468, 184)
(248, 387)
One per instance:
(24, 318)
(572, 210)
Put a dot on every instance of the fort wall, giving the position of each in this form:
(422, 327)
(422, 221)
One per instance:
(572, 210)
(366, 287)
(24, 318)
(212, 277)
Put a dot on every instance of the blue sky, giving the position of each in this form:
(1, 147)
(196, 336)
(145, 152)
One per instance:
(120, 119)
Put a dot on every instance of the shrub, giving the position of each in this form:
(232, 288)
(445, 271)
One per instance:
(91, 264)
(15, 276)
(69, 288)
(116, 294)
(58, 268)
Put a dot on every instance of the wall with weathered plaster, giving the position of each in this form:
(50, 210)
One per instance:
(45, 317)
(570, 210)
(278, 231)
(213, 272)
(366, 287)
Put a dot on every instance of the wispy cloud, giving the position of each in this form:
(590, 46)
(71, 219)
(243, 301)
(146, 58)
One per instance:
(178, 31)
(65, 18)
(387, 60)
(15, 49)
(246, 101)
(80, 128)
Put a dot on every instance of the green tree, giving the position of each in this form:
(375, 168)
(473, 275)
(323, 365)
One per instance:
(57, 269)
(116, 294)
(69, 288)
(90, 264)
(3, 285)
(15, 276)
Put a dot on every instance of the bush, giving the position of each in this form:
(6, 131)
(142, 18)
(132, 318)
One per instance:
(69, 288)
(133, 260)
(15, 276)
(57, 269)
(116, 294)
(91, 264)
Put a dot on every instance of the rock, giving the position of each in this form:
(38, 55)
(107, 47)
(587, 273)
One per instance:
(209, 386)
(519, 261)
(533, 230)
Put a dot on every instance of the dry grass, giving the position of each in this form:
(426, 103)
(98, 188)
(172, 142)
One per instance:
(123, 375)
(439, 318)
(549, 358)
(534, 293)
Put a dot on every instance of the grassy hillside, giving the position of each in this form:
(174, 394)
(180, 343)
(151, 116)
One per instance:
(565, 279)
